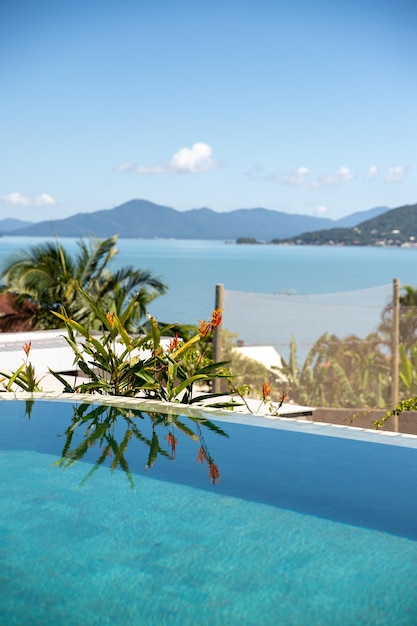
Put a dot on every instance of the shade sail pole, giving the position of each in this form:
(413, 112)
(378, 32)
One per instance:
(217, 335)
(395, 340)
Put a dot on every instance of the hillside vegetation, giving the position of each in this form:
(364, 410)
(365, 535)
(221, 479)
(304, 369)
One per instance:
(397, 227)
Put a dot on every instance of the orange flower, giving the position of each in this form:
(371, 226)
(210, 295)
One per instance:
(282, 398)
(216, 318)
(110, 318)
(173, 344)
(214, 472)
(201, 456)
(204, 328)
(325, 365)
(172, 442)
(266, 390)
(27, 347)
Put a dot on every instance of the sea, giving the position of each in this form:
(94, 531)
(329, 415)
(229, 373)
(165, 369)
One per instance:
(193, 268)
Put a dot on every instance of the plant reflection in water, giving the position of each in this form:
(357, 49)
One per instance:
(109, 429)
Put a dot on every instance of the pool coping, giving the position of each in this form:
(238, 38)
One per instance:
(283, 423)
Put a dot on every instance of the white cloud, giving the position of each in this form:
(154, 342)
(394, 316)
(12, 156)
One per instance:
(126, 167)
(342, 175)
(15, 199)
(19, 200)
(45, 200)
(139, 169)
(194, 160)
(320, 210)
(395, 174)
(299, 177)
(372, 172)
(295, 178)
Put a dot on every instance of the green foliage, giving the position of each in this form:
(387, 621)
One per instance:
(408, 378)
(118, 363)
(105, 432)
(247, 240)
(348, 372)
(410, 404)
(115, 362)
(49, 278)
(408, 368)
(407, 319)
(24, 378)
(201, 351)
(247, 374)
(394, 227)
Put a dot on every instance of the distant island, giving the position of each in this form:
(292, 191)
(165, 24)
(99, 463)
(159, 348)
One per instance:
(144, 219)
(247, 240)
(397, 227)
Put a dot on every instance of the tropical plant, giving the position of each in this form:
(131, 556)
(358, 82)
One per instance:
(407, 320)
(114, 362)
(408, 368)
(104, 433)
(118, 363)
(347, 372)
(49, 278)
(24, 377)
(247, 374)
(409, 404)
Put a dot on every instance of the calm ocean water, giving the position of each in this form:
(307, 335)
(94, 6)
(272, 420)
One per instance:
(193, 268)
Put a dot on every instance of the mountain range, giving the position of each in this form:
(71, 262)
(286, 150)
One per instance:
(144, 219)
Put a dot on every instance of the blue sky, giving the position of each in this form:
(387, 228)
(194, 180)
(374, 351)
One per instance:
(302, 106)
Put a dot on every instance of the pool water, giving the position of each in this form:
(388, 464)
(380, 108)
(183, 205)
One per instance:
(299, 528)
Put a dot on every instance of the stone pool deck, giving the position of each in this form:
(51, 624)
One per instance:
(319, 422)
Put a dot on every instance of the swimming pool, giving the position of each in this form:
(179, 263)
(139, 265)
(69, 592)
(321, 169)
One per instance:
(281, 521)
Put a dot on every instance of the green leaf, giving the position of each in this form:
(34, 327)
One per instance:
(184, 429)
(12, 378)
(156, 334)
(123, 334)
(73, 325)
(99, 347)
(124, 318)
(210, 426)
(145, 375)
(65, 383)
(185, 346)
(177, 390)
(406, 368)
(97, 311)
(153, 450)
(212, 367)
(118, 457)
(86, 369)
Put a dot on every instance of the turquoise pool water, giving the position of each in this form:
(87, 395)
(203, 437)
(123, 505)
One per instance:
(298, 529)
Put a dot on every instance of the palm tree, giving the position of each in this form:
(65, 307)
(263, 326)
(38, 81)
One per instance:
(348, 372)
(408, 318)
(47, 276)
